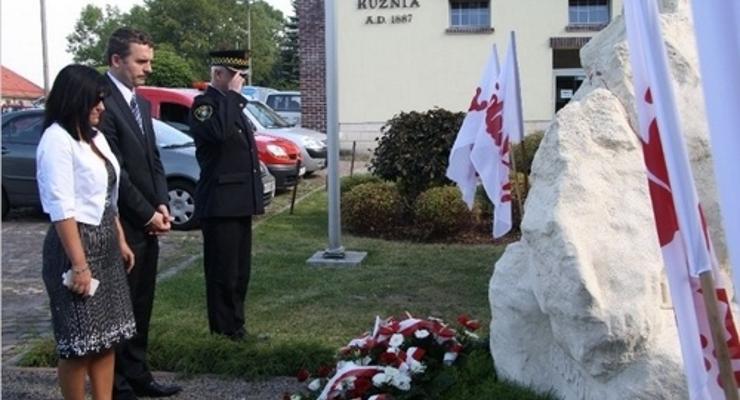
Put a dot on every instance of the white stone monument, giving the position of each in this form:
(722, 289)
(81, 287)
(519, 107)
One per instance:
(579, 304)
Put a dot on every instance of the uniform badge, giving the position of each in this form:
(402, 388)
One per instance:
(203, 112)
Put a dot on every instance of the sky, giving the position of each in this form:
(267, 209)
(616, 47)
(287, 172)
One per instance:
(20, 22)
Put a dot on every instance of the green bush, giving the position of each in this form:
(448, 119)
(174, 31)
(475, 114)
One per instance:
(414, 150)
(483, 205)
(441, 212)
(349, 182)
(527, 148)
(169, 69)
(372, 208)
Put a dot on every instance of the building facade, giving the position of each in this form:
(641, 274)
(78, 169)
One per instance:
(414, 55)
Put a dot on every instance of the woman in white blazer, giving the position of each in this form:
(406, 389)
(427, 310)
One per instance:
(85, 254)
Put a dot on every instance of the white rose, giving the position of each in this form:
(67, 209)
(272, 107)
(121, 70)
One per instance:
(380, 379)
(349, 383)
(449, 358)
(421, 333)
(417, 367)
(396, 340)
(314, 385)
(402, 381)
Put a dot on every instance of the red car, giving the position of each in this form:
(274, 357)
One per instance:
(280, 155)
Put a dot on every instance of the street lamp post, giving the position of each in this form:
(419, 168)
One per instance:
(44, 52)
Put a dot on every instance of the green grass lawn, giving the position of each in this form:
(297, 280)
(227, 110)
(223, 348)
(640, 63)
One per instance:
(298, 316)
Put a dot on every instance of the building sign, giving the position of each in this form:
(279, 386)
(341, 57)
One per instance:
(398, 5)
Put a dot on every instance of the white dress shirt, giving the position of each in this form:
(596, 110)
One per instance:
(72, 179)
(127, 93)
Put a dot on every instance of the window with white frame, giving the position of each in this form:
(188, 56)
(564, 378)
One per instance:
(588, 12)
(470, 14)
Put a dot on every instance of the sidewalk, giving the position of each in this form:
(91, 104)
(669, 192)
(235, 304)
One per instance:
(41, 384)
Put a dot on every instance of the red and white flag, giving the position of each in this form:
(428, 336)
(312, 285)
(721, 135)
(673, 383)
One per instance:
(491, 153)
(682, 233)
(460, 168)
(717, 25)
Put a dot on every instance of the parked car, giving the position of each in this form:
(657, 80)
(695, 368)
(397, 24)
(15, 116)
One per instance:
(287, 105)
(280, 155)
(257, 92)
(21, 132)
(311, 143)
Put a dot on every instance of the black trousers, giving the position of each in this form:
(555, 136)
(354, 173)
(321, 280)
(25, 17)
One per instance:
(227, 247)
(132, 368)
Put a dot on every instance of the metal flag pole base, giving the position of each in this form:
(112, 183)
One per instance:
(336, 258)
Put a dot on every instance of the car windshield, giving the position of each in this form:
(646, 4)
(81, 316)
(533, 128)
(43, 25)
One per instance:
(266, 117)
(169, 137)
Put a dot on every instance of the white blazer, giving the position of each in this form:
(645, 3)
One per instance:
(72, 179)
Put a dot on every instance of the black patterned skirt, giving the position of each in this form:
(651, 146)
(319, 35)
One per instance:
(89, 325)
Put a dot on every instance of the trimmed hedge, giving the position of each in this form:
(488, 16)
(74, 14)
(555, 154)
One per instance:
(349, 182)
(372, 208)
(440, 212)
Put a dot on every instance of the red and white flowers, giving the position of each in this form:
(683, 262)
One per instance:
(383, 364)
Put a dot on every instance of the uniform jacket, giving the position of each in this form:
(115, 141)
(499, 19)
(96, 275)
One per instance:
(230, 183)
(143, 185)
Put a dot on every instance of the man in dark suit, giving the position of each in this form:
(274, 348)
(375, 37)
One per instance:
(228, 192)
(143, 199)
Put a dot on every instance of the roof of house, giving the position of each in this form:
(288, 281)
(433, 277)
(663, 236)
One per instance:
(16, 86)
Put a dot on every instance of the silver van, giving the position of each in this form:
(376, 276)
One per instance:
(287, 105)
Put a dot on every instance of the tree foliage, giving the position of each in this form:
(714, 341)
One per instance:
(267, 25)
(170, 70)
(88, 41)
(287, 70)
(188, 29)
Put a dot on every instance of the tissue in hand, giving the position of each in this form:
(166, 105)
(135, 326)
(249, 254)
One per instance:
(67, 281)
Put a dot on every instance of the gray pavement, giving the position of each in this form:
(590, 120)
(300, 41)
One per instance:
(41, 384)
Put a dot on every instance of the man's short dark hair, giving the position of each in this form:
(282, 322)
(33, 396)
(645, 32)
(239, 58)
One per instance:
(120, 42)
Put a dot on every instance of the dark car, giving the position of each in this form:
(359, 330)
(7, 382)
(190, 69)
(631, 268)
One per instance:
(22, 130)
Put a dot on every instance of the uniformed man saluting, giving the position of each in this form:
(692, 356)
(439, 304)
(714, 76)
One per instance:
(228, 192)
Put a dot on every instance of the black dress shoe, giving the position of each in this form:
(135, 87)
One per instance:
(239, 335)
(154, 389)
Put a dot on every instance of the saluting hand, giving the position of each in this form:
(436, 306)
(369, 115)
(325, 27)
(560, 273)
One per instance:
(236, 83)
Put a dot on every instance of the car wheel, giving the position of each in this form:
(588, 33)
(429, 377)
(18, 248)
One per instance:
(182, 204)
(5, 205)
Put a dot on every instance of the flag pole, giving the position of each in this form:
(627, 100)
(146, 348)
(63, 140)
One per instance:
(727, 376)
(517, 190)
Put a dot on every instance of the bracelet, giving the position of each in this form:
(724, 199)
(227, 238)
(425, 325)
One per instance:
(80, 270)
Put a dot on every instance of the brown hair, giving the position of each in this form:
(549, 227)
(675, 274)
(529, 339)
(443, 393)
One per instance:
(120, 42)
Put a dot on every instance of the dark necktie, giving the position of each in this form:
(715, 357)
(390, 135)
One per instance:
(137, 114)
